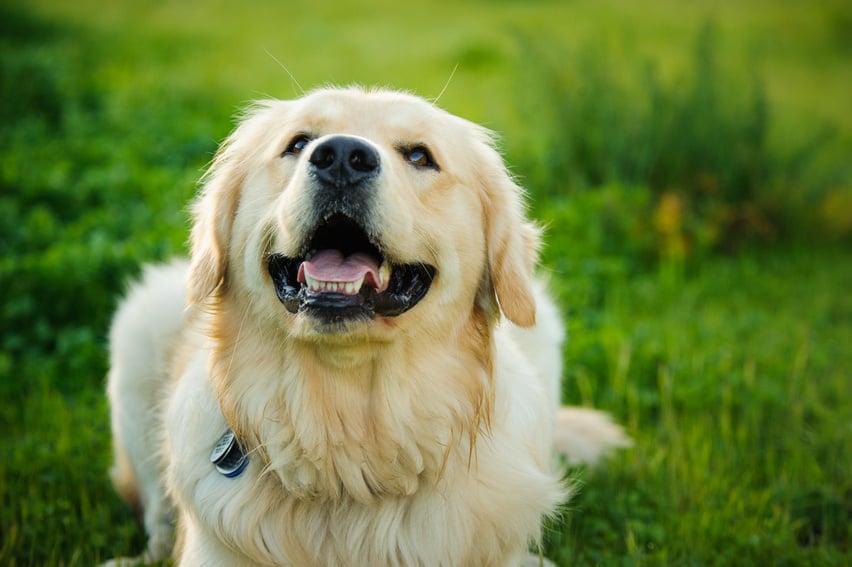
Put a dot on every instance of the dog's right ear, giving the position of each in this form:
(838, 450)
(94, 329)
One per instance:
(214, 209)
(213, 214)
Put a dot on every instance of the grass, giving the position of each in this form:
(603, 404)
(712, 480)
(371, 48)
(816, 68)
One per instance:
(728, 364)
(736, 381)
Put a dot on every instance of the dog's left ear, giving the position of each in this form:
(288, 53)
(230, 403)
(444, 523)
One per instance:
(213, 213)
(512, 241)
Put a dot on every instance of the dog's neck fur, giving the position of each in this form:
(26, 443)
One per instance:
(324, 424)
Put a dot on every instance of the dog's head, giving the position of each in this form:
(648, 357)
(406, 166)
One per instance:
(350, 212)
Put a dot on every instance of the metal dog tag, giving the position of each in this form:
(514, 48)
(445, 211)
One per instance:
(228, 456)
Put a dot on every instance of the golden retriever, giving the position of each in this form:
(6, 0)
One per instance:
(357, 366)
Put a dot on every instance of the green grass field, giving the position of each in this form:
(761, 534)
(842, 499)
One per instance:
(693, 165)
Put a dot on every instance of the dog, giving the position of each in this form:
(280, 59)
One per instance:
(357, 365)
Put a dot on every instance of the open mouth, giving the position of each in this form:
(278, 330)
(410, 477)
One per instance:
(342, 274)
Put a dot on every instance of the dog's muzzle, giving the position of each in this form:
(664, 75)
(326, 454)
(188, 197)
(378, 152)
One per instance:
(341, 272)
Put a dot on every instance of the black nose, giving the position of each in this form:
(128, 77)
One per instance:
(343, 160)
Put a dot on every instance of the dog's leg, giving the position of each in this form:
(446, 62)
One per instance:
(136, 472)
(533, 560)
(143, 332)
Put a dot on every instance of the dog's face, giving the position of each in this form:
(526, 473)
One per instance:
(351, 214)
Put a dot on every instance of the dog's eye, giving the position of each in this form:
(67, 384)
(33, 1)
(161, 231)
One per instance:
(419, 156)
(297, 145)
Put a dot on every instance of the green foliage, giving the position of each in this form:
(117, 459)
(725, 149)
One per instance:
(88, 188)
(57, 506)
(731, 373)
(699, 143)
(742, 455)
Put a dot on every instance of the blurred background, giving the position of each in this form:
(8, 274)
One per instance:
(692, 163)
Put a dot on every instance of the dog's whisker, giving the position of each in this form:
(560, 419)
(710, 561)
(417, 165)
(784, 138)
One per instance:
(446, 85)
(302, 91)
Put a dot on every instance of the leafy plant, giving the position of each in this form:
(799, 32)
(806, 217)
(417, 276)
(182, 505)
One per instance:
(88, 189)
(699, 143)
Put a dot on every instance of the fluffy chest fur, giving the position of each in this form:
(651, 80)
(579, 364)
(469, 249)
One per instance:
(373, 485)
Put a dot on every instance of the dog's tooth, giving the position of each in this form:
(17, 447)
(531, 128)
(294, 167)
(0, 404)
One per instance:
(336, 287)
(384, 273)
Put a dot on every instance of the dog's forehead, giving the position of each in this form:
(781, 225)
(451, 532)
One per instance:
(369, 113)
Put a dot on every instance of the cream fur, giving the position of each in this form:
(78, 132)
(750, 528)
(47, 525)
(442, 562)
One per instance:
(423, 439)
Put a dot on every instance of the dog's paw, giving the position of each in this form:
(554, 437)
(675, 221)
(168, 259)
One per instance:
(147, 558)
(532, 560)
(124, 562)
(585, 436)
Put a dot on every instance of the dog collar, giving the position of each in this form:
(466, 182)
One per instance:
(228, 456)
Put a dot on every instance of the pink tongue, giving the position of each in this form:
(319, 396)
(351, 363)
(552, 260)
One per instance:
(331, 266)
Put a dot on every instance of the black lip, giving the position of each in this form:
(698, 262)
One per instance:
(408, 285)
